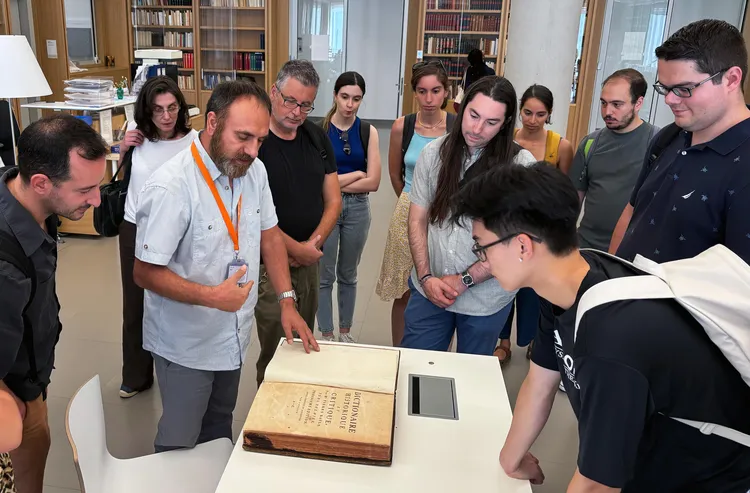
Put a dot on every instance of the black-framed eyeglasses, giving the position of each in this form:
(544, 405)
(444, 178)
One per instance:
(684, 91)
(481, 250)
(291, 103)
(345, 137)
(435, 61)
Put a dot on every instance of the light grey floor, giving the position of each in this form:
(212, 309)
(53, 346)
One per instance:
(89, 289)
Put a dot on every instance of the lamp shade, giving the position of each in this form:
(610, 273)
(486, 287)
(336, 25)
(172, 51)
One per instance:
(20, 74)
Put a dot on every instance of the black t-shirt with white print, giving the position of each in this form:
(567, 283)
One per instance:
(633, 364)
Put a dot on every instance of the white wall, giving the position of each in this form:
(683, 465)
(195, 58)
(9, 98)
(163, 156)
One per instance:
(542, 42)
(374, 33)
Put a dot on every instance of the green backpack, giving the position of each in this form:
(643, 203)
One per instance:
(656, 145)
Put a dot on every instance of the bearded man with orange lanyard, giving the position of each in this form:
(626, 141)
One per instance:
(204, 219)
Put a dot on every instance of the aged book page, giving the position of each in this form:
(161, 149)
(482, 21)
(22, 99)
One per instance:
(346, 367)
(335, 404)
(318, 420)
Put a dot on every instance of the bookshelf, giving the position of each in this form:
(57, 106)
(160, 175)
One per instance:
(449, 29)
(4, 26)
(220, 40)
(233, 36)
(168, 24)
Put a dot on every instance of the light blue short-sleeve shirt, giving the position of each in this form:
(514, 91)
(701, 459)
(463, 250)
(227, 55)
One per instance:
(449, 245)
(180, 226)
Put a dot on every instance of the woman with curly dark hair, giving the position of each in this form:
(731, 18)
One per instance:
(160, 131)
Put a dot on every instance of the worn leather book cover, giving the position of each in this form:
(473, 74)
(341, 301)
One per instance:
(338, 404)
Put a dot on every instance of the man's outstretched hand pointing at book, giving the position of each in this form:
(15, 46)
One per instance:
(292, 322)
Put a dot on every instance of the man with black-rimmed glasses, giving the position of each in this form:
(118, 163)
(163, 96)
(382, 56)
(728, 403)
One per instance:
(694, 189)
(304, 183)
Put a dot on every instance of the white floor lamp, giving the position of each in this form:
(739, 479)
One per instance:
(20, 75)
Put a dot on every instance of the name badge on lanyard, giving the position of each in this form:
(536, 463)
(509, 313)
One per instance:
(237, 263)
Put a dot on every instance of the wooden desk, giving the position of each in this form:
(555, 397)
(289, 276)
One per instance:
(430, 455)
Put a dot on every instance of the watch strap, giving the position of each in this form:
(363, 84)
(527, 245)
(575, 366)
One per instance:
(287, 294)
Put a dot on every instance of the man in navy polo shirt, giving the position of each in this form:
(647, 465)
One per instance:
(695, 194)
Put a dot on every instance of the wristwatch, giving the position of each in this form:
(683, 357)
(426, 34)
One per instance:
(288, 294)
(467, 279)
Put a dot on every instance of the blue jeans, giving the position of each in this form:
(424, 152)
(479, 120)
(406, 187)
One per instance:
(527, 307)
(342, 252)
(427, 326)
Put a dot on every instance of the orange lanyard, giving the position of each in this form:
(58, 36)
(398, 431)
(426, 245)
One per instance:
(233, 233)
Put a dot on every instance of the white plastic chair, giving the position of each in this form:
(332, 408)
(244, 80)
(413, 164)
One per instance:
(196, 470)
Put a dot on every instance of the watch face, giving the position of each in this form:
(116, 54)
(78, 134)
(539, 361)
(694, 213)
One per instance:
(467, 280)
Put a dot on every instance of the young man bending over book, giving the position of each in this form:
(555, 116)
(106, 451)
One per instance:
(634, 363)
(204, 219)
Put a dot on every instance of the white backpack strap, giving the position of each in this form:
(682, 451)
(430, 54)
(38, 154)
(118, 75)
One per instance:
(714, 429)
(643, 287)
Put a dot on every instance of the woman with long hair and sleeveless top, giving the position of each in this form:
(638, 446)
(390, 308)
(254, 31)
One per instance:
(356, 146)
(409, 135)
(551, 147)
(161, 130)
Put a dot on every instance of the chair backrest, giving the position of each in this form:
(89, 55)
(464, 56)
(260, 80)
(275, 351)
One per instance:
(84, 424)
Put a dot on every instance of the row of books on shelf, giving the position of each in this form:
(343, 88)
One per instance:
(188, 60)
(186, 82)
(233, 3)
(450, 45)
(465, 4)
(462, 22)
(180, 18)
(163, 3)
(249, 61)
(166, 39)
(454, 67)
(457, 67)
(210, 81)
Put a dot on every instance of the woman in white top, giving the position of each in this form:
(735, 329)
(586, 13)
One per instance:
(161, 131)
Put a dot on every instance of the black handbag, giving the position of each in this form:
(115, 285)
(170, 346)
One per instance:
(111, 212)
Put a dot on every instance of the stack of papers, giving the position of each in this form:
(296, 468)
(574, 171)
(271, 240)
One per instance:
(94, 92)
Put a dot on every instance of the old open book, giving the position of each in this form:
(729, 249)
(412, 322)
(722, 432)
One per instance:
(337, 404)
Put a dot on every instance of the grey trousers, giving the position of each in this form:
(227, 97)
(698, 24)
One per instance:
(197, 405)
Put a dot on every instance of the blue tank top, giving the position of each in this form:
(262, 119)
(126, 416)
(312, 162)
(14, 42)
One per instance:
(418, 142)
(355, 161)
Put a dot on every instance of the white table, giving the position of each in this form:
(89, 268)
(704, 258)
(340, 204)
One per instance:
(105, 114)
(430, 455)
(63, 106)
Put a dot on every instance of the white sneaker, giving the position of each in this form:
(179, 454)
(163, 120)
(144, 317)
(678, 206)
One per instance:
(346, 337)
(328, 336)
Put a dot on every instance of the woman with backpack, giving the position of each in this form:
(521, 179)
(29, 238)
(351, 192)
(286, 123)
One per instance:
(160, 131)
(356, 148)
(409, 135)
